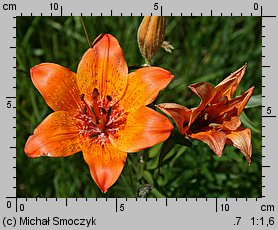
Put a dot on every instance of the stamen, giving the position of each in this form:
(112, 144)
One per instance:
(95, 115)
(103, 111)
(95, 94)
(94, 135)
(225, 115)
(82, 97)
(206, 116)
(85, 109)
(214, 125)
(99, 118)
(109, 98)
(109, 111)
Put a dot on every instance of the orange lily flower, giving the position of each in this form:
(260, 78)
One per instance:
(216, 120)
(100, 110)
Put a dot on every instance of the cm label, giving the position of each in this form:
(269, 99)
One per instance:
(9, 6)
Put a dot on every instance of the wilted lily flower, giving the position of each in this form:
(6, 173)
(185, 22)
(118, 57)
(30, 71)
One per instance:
(100, 110)
(216, 120)
(150, 36)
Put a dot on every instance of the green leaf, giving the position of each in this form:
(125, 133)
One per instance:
(248, 123)
(165, 149)
(175, 138)
(254, 101)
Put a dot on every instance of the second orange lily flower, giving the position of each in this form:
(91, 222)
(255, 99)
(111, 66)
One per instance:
(101, 110)
(216, 120)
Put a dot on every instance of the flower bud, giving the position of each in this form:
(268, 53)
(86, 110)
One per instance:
(150, 36)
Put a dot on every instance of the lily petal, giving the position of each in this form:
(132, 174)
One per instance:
(105, 162)
(144, 128)
(232, 124)
(57, 85)
(213, 138)
(56, 136)
(241, 139)
(103, 67)
(240, 102)
(144, 85)
(228, 86)
(206, 92)
(179, 113)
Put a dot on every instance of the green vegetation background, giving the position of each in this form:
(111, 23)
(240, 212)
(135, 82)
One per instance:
(206, 49)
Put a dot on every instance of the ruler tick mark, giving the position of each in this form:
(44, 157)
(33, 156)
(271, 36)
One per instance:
(116, 204)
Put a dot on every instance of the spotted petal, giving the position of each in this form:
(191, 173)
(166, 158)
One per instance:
(239, 102)
(228, 86)
(103, 67)
(56, 136)
(105, 162)
(241, 139)
(144, 128)
(213, 138)
(180, 114)
(57, 85)
(206, 92)
(143, 86)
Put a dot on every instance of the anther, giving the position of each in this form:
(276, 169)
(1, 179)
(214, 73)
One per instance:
(109, 98)
(214, 125)
(225, 115)
(82, 97)
(103, 111)
(206, 116)
(95, 93)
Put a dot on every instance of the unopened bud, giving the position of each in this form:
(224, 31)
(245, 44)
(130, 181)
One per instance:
(151, 35)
